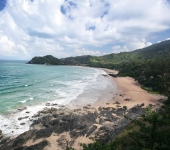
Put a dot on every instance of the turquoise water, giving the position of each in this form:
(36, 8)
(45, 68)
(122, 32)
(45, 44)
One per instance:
(33, 85)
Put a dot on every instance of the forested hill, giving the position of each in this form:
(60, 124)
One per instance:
(48, 60)
(155, 51)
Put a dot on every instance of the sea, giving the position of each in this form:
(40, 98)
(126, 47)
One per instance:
(31, 87)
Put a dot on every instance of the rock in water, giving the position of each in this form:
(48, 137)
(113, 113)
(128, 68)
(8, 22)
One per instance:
(1, 134)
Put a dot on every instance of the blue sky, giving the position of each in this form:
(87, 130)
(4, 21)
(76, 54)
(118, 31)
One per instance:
(66, 28)
(2, 4)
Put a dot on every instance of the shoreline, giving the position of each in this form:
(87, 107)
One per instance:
(130, 93)
(105, 113)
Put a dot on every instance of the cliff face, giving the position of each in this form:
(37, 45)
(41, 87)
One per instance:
(48, 60)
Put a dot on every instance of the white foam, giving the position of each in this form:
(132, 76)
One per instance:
(26, 85)
(24, 101)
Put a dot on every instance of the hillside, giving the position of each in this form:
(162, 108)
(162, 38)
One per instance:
(161, 49)
(47, 60)
(155, 51)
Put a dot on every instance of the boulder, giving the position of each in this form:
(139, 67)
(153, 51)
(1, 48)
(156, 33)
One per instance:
(127, 99)
(22, 108)
(113, 75)
(47, 104)
(43, 133)
(76, 110)
(91, 130)
(22, 123)
(1, 134)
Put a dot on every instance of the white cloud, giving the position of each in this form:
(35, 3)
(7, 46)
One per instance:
(118, 49)
(84, 51)
(40, 28)
(136, 44)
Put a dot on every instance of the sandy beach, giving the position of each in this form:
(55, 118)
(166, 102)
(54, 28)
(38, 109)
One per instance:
(130, 93)
(81, 124)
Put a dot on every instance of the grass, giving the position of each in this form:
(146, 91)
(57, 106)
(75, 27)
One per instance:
(149, 90)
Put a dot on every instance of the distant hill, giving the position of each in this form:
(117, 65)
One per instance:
(47, 60)
(155, 51)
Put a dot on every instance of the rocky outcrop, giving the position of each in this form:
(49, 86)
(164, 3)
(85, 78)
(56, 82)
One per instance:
(106, 122)
(113, 75)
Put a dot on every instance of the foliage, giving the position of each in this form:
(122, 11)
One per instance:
(48, 60)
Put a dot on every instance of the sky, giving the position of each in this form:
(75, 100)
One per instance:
(65, 28)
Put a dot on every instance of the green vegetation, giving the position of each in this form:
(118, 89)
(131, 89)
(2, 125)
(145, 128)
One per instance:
(158, 50)
(47, 60)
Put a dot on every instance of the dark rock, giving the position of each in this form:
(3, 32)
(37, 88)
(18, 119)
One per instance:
(53, 109)
(21, 139)
(5, 140)
(127, 99)
(61, 113)
(91, 130)
(142, 105)
(45, 121)
(46, 111)
(54, 122)
(101, 120)
(63, 127)
(117, 102)
(36, 115)
(75, 110)
(134, 112)
(54, 104)
(65, 117)
(77, 133)
(85, 107)
(100, 108)
(43, 133)
(120, 111)
(22, 108)
(39, 146)
(104, 75)
(124, 107)
(113, 75)
(1, 134)
(22, 123)
(47, 104)
(150, 105)
(20, 118)
(55, 115)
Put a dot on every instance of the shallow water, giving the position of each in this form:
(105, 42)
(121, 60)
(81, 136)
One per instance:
(31, 86)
